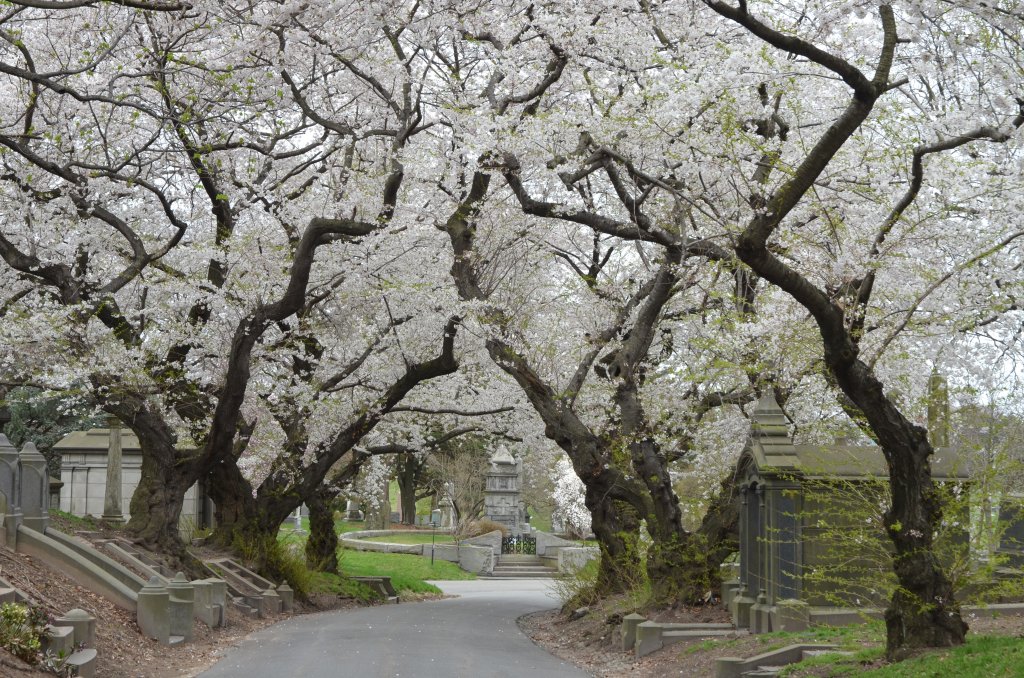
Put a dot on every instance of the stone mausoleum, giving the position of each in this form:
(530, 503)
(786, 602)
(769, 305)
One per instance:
(794, 501)
(83, 470)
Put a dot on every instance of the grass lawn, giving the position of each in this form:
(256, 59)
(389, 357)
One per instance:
(407, 572)
(982, 656)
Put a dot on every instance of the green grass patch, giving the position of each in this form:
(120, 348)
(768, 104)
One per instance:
(76, 522)
(980, 657)
(413, 538)
(407, 572)
(324, 582)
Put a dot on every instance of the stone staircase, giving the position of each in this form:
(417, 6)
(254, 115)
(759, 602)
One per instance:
(517, 566)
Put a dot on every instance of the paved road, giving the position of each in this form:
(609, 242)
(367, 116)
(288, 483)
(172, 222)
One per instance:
(472, 636)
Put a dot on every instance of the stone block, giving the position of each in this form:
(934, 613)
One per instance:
(740, 609)
(153, 614)
(202, 608)
(181, 598)
(648, 638)
(791, 615)
(83, 663)
(628, 630)
(287, 597)
(84, 625)
(12, 521)
(730, 590)
(271, 603)
(760, 615)
(59, 639)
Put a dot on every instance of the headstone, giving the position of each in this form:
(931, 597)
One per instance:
(112, 510)
(152, 613)
(181, 600)
(10, 486)
(352, 511)
(35, 488)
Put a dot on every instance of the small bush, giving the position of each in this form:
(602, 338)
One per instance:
(475, 528)
(21, 630)
(278, 561)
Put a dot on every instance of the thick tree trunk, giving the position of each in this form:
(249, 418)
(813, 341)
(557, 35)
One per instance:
(158, 499)
(684, 567)
(157, 503)
(923, 612)
(617, 528)
(233, 501)
(322, 544)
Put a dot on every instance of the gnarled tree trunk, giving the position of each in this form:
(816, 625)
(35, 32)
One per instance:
(322, 544)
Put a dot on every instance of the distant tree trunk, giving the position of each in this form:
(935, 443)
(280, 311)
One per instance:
(322, 544)
(408, 473)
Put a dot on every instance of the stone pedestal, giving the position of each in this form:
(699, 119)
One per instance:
(181, 599)
(203, 608)
(740, 609)
(152, 612)
(84, 625)
(760, 615)
(730, 590)
(271, 603)
(629, 624)
(287, 597)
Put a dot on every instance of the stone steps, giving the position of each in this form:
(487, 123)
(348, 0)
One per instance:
(520, 566)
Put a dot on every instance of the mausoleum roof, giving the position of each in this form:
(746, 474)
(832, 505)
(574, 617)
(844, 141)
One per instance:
(97, 441)
(772, 450)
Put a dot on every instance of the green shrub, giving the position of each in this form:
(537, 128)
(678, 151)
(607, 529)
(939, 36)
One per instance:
(21, 630)
(475, 528)
(277, 560)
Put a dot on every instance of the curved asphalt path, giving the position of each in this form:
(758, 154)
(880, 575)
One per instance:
(471, 636)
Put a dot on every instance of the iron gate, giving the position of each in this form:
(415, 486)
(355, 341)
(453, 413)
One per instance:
(519, 544)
